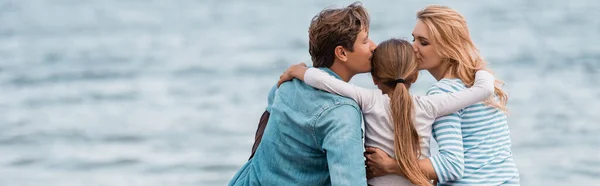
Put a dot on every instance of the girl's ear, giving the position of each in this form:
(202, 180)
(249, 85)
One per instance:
(375, 81)
(413, 78)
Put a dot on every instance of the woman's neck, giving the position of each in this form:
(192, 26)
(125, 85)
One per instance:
(386, 90)
(442, 71)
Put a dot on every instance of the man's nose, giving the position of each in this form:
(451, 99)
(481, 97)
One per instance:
(373, 46)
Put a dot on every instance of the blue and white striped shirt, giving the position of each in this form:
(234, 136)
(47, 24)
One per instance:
(474, 144)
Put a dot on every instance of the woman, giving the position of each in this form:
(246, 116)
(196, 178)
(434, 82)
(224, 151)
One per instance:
(474, 143)
(394, 120)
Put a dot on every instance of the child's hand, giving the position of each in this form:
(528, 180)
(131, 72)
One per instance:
(294, 71)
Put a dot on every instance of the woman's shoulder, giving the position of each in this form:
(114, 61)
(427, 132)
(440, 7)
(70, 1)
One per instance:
(446, 85)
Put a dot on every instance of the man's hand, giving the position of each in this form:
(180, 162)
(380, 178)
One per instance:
(294, 71)
(380, 163)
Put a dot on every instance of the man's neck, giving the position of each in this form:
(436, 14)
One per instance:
(342, 71)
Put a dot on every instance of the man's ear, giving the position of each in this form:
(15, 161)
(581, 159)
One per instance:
(340, 53)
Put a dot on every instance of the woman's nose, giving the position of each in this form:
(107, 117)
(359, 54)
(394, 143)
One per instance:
(414, 45)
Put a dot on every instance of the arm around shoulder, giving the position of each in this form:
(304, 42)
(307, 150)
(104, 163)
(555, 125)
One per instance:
(319, 79)
(438, 103)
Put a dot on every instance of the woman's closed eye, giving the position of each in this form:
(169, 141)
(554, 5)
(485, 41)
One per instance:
(423, 43)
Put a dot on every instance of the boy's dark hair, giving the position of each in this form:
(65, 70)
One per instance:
(335, 27)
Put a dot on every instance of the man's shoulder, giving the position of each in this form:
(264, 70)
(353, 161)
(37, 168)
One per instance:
(300, 94)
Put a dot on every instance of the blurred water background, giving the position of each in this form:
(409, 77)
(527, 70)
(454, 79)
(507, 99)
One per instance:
(169, 92)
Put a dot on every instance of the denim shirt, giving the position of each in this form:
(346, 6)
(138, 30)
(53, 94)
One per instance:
(312, 138)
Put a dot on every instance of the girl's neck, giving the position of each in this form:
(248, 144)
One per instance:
(389, 90)
(386, 90)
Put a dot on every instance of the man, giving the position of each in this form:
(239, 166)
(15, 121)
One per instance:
(314, 137)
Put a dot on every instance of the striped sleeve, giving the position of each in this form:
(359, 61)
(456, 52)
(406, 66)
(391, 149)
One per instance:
(449, 163)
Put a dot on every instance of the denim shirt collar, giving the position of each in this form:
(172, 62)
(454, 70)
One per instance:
(275, 88)
(330, 72)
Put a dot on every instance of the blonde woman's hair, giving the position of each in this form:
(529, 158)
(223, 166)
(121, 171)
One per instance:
(451, 40)
(394, 65)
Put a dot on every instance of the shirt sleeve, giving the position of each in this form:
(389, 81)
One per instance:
(323, 81)
(449, 163)
(339, 132)
(441, 104)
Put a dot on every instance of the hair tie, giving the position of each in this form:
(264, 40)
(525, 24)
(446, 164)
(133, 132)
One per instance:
(399, 81)
(395, 82)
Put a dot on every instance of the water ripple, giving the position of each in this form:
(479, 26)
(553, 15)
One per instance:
(78, 99)
(78, 165)
(123, 139)
(190, 167)
(24, 162)
(26, 80)
(194, 71)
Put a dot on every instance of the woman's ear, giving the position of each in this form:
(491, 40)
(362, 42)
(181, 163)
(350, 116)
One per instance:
(340, 53)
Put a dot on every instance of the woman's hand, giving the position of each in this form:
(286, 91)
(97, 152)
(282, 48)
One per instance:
(380, 163)
(294, 71)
